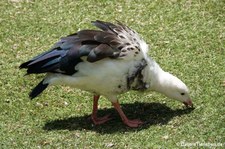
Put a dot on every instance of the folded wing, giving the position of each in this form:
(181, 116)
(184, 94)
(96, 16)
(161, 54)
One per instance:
(112, 41)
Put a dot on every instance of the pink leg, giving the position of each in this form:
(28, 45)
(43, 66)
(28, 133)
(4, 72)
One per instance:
(98, 120)
(130, 123)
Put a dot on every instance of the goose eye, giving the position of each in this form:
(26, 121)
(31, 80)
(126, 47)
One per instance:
(182, 93)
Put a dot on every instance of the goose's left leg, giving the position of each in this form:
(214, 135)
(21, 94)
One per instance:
(98, 120)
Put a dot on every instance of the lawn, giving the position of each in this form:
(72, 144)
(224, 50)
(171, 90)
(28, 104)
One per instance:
(187, 38)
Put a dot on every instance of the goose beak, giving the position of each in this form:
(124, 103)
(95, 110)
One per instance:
(188, 103)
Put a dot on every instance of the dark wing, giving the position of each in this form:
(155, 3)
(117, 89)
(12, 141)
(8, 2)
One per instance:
(113, 41)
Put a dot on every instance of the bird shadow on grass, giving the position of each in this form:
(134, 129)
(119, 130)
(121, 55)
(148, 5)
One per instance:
(150, 113)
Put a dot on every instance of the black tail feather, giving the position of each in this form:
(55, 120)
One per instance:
(38, 89)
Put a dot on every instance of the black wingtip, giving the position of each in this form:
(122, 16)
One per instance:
(37, 90)
(24, 65)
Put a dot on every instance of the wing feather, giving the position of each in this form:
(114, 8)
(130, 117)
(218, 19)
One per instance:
(112, 41)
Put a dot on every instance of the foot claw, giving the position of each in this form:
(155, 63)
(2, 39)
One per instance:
(101, 120)
(133, 123)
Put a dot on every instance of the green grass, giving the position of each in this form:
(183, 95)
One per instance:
(187, 38)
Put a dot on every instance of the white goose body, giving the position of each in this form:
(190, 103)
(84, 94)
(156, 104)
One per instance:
(108, 63)
(106, 77)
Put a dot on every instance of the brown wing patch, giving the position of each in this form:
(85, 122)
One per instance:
(114, 41)
(100, 52)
